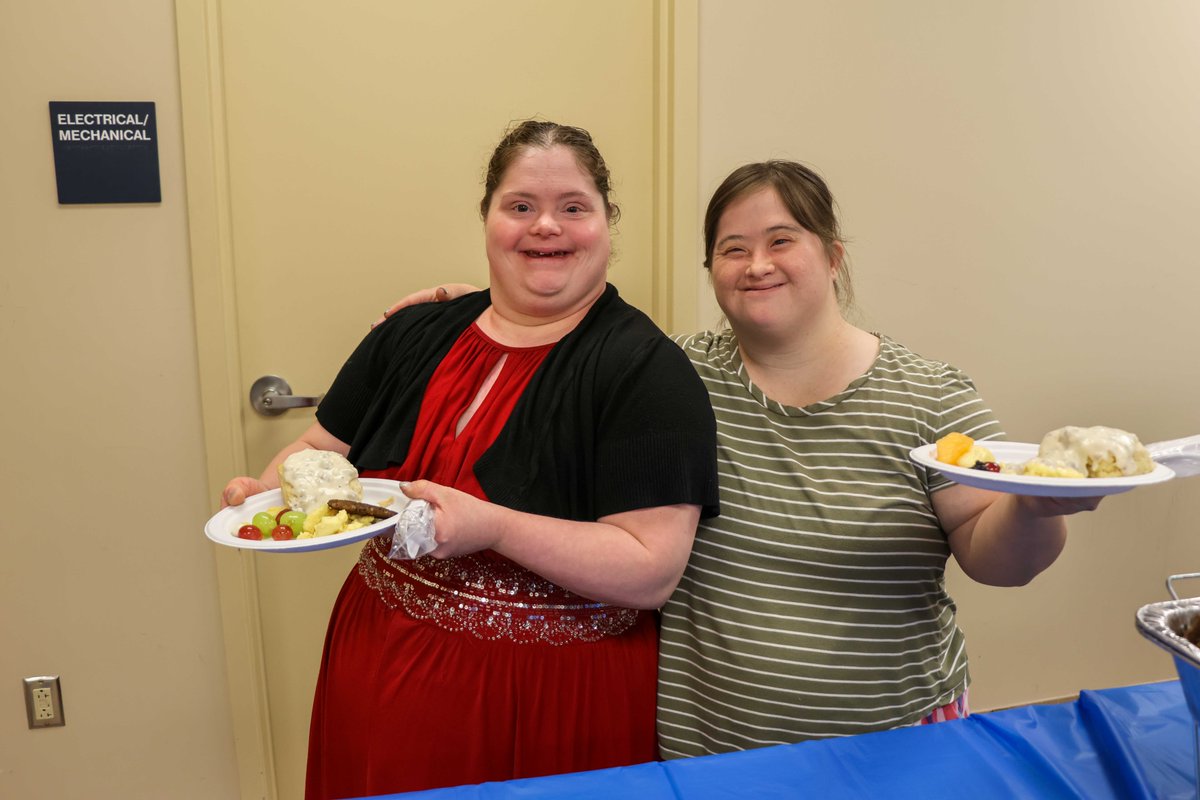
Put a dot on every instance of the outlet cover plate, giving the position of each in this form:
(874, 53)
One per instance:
(43, 702)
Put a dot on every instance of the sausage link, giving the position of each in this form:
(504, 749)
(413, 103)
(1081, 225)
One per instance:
(357, 509)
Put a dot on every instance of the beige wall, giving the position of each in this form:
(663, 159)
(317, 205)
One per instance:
(1018, 182)
(103, 578)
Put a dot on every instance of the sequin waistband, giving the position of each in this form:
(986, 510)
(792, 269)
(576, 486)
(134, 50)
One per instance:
(491, 599)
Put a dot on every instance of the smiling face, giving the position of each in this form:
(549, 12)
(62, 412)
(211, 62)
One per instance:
(547, 236)
(772, 277)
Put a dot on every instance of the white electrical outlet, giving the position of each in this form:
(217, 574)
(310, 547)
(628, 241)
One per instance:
(43, 701)
(43, 704)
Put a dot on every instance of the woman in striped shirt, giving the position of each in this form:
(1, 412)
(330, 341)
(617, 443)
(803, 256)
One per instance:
(815, 605)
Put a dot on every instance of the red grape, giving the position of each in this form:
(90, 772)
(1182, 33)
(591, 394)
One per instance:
(249, 532)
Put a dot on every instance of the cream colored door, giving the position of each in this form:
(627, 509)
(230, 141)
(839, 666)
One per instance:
(335, 157)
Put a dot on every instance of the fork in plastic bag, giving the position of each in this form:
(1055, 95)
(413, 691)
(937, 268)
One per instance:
(414, 532)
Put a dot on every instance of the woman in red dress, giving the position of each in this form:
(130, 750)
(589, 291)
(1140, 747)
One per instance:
(567, 449)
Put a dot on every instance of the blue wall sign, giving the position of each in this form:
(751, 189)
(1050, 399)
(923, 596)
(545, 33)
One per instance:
(105, 152)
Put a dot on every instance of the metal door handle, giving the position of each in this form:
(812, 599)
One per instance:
(270, 396)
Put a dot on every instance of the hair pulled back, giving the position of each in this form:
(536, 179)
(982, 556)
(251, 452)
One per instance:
(805, 195)
(531, 134)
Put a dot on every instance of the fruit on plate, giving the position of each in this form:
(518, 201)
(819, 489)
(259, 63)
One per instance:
(962, 451)
(953, 446)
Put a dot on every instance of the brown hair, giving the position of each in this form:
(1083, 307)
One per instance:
(544, 135)
(804, 194)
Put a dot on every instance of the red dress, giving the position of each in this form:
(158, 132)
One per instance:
(472, 669)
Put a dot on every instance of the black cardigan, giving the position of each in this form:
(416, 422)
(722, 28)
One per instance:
(614, 419)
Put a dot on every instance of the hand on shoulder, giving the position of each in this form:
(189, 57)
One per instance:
(436, 294)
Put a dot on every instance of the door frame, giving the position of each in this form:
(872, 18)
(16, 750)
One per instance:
(676, 285)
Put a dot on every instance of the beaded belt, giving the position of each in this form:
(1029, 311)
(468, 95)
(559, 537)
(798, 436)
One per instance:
(489, 597)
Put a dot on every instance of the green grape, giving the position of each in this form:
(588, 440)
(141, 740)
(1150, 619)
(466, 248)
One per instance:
(294, 520)
(264, 522)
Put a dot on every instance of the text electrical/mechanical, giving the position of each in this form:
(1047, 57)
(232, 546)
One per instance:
(94, 120)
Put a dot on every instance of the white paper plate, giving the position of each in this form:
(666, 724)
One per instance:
(223, 526)
(1017, 452)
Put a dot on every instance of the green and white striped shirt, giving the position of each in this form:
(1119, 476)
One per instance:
(816, 604)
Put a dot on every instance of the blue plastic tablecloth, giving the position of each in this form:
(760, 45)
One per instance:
(1133, 742)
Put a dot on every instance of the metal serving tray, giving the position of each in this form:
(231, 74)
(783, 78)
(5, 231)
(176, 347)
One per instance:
(1165, 624)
